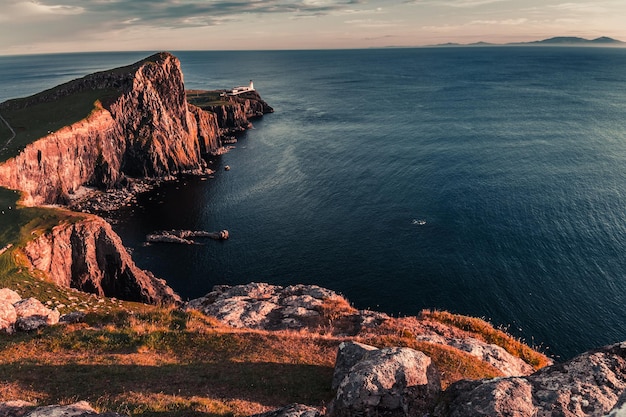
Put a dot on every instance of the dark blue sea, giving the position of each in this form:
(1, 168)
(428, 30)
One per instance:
(485, 181)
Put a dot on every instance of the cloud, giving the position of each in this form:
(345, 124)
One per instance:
(456, 3)
(372, 23)
(25, 9)
(175, 13)
(504, 22)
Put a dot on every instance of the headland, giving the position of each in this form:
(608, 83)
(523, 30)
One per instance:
(135, 348)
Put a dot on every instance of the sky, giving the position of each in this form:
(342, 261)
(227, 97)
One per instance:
(44, 26)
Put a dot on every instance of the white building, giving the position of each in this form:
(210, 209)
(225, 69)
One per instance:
(238, 90)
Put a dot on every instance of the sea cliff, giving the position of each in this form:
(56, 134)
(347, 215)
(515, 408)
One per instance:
(141, 125)
(238, 349)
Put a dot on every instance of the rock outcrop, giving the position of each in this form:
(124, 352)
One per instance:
(292, 410)
(490, 353)
(27, 409)
(235, 116)
(403, 382)
(271, 307)
(89, 256)
(23, 315)
(147, 129)
(590, 384)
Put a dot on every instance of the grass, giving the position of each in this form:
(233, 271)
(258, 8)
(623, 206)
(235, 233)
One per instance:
(486, 332)
(203, 98)
(151, 363)
(34, 121)
(18, 225)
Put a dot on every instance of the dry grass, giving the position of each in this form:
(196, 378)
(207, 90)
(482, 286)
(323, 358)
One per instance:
(150, 363)
(484, 331)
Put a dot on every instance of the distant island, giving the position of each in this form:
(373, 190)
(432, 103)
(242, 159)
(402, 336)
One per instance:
(557, 40)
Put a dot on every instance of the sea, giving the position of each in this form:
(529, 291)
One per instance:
(487, 181)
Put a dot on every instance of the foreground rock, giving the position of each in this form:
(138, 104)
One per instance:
(89, 256)
(24, 315)
(272, 307)
(588, 385)
(386, 382)
(26, 409)
(492, 354)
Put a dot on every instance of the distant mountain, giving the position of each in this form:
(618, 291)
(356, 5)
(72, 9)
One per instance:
(557, 40)
(574, 40)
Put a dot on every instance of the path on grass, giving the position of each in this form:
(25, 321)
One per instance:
(12, 134)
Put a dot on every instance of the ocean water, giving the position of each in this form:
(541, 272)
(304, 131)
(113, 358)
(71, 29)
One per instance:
(484, 181)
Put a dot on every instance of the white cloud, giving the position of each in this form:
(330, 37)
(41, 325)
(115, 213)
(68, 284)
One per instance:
(33, 8)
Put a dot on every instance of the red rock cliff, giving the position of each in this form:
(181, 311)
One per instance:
(148, 130)
(90, 257)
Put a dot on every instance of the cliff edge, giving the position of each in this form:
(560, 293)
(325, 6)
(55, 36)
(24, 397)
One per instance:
(141, 125)
(138, 124)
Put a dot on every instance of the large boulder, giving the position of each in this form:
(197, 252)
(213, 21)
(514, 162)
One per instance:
(388, 382)
(348, 355)
(32, 314)
(588, 385)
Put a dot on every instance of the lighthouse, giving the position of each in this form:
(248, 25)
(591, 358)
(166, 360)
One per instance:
(251, 86)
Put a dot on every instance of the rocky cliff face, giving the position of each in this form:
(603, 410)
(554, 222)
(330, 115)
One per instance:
(56, 165)
(236, 115)
(144, 127)
(90, 257)
(148, 130)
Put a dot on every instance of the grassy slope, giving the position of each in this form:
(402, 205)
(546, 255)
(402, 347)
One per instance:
(35, 121)
(148, 361)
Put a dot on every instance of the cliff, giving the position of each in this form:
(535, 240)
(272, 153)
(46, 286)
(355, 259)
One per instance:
(142, 127)
(89, 256)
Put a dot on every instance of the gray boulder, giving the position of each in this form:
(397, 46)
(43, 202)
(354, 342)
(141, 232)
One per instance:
(292, 410)
(588, 385)
(32, 314)
(388, 382)
(348, 355)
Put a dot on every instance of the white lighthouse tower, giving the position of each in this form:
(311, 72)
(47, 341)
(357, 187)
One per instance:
(251, 86)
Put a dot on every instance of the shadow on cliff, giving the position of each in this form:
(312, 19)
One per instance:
(268, 384)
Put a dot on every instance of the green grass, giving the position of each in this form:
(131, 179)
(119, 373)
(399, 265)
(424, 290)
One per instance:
(32, 122)
(202, 98)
